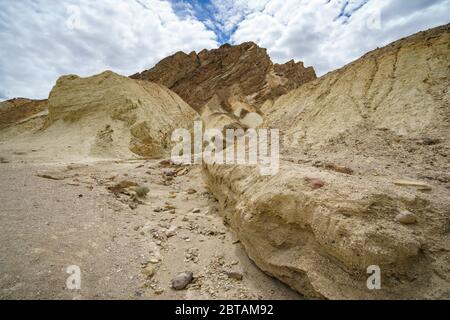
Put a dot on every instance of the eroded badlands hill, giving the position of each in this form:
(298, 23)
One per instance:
(364, 178)
(19, 109)
(105, 116)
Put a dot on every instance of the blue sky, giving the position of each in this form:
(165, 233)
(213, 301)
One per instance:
(204, 11)
(41, 40)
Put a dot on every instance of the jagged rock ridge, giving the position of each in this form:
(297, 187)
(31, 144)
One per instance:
(242, 73)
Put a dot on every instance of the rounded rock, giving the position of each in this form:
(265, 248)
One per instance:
(142, 191)
(406, 217)
(181, 281)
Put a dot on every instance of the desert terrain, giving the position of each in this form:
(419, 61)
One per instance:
(364, 180)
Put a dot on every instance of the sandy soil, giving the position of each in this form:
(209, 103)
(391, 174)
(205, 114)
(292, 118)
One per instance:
(56, 215)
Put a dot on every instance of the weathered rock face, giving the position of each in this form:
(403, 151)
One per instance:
(361, 146)
(19, 109)
(109, 116)
(122, 114)
(231, 74)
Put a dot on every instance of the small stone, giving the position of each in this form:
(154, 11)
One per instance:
(196, 210)
(165, 163)
(172, 231)
(315, 183)
(182, 172)
(169, 207)
(149, 271)
(133, 206)
(191, 254)
(191, 191)
(159, 291)
(340, 169)
(181, 281)
(142, 192)
(170, 173)
(430, 142)
(154, 261)
(234, 274)
(406, 217)
(418, 184)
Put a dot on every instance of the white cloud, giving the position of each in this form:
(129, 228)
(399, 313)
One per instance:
(228, 13)
(43, 39)
(328, 34)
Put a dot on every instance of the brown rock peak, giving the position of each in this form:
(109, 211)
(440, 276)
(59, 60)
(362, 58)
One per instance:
(242, 72)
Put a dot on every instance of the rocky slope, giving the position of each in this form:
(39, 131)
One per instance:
(106, 115)
(231, 80)
(16, 110)
(364, 178)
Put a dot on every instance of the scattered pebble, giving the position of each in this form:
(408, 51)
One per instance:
(159, 291)
(234, 274)
(154, 261)
(191, 254)
(191, 191)
(142, 192)
(337, 168)
(406, 217)
(315, 183)
(172, 231)
(430, 141)
(149, 271)
(182, 280)
(133, 206)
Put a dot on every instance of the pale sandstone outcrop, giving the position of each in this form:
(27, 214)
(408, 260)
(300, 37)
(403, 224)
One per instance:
(332, 210)
(109, 116)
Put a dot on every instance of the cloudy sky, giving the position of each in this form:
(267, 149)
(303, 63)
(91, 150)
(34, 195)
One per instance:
(43, 39)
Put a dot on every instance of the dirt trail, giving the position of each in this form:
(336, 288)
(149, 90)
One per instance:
(56, 215)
